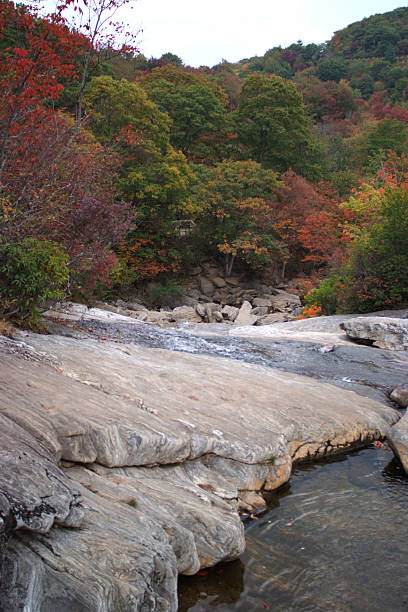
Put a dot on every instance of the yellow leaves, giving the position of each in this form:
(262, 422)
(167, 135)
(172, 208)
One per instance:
(362, 210)
(7, 210)
(244, 244)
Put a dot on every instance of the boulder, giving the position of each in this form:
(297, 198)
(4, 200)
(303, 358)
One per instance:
(184, 313)
(269, 319)
(261, 302)
(206, 285)
(244, 316)
(230, 312)
(384, 332)
(400, 395)
(158, 318)
(398, 440)
(200, 310)
(283, 301)
(219, 282)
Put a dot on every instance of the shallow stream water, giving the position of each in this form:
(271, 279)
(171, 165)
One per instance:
(335, 538)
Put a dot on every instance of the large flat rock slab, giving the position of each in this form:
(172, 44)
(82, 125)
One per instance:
(158, 406)
(144, 457)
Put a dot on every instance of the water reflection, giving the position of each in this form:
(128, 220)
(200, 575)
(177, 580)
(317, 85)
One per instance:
(336, 539)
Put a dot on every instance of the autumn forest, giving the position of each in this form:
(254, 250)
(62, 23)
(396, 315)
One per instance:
(118, 170)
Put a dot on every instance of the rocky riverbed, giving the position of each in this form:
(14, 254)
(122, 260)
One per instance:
(124, 465)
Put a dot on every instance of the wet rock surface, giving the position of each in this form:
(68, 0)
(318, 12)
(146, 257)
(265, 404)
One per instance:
(145, 455)
(315, 347)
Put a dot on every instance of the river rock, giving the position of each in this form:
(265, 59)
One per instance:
(261, 302)
(210, 308)
(219, 282)
(244, 316)
(200, 310)
(119, 560)
(217, 315)
(141, 315)
(189, 301)
(232, 281)
(206, 286)
(400, 395)
(398, 440)
(260, 311)
(158, 317)
(35, 493)
(384, 332)
(193, 293)
(284, 301)
(269, 319)
(230, 312)
(185, 313)
(136, 306)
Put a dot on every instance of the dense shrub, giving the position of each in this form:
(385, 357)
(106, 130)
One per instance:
(166, 293)
(32, 272)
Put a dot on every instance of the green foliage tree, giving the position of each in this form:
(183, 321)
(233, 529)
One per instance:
(237, 214)
(154, 177)
(171, 58)
(116, 106)
(196, 105)
(374, 142)
(332, 69)
(273, 127)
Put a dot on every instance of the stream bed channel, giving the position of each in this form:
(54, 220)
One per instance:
(334, 538)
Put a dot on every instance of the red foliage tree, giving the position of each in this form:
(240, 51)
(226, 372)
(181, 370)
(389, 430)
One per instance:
(309, 222)
(56, 182)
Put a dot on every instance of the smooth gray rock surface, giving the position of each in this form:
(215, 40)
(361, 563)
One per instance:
(119, 560)
(387, 333)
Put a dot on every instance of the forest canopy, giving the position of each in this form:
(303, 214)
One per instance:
(291, 163)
